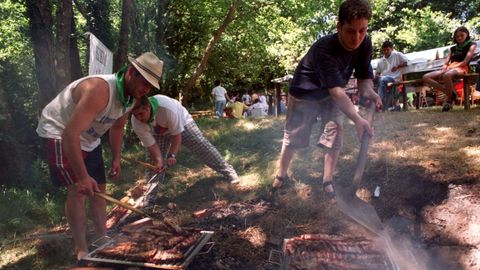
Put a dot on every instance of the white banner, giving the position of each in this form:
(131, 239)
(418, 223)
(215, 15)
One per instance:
(101, 58)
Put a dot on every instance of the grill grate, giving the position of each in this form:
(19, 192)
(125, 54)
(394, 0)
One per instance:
(192, 251)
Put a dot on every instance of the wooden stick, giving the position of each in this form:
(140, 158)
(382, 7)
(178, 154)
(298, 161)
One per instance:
(144, 164)
(119, 203)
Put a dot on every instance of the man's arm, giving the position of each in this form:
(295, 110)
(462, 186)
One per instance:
(403, 62)
(115, 136)
(156, 155)
(365, 87)
(90, 97)
(176, 141)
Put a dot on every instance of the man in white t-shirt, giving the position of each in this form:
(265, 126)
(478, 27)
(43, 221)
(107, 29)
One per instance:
(162, 124)
(389, 69)
(220, 95)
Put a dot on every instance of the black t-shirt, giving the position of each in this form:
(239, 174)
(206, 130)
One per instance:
(327, 64)
(458, 53)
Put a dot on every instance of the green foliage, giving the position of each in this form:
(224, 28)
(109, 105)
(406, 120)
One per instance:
(28, 209)
(417, 34)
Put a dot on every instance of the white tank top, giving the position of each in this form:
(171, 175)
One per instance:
(58, 112)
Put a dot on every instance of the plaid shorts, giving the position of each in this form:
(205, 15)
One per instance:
(302, 115)
(61, 172)
(200, 147)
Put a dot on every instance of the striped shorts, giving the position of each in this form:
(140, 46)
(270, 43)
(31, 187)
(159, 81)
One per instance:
(61, 172)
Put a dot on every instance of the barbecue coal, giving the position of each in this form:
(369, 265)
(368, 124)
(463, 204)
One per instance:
(322, 251)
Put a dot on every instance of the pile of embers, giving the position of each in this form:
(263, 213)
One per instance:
(323, 251)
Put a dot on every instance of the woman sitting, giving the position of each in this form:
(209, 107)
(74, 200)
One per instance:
(457, 63)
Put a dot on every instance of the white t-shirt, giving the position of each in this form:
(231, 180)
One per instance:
(385, 65)
(219, 93)
(170, 119)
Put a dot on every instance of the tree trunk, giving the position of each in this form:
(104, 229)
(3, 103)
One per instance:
(75, 64)
(160, 31)
(208, 51)
(40, 18)
(120, 57)
(64, 33)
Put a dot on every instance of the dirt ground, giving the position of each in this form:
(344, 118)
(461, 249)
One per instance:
(425, 163)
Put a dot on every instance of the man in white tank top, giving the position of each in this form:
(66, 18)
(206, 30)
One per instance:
(72, 124)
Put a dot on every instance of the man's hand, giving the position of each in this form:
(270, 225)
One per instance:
(378, 102)
(159, 165)
(115, 170)
(171, 160)
(87, 186)
(363, 126)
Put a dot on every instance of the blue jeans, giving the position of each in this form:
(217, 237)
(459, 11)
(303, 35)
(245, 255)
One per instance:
(382, 87)
(219, 106)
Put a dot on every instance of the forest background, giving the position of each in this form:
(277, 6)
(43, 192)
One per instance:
(246, 44)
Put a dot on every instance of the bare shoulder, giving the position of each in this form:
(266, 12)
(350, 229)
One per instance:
(91, 89)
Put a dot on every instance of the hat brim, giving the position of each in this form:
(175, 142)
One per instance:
(145, 74)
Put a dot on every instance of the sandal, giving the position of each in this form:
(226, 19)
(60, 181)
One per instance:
(280, 181)
(330, 194)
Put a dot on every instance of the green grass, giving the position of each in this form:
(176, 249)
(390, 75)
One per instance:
(252, 146)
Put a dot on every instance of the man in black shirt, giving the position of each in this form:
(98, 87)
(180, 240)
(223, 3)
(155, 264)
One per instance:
(318, 89)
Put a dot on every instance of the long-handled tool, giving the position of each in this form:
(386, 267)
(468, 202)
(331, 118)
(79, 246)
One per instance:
(365, 214)
(347, 201)
(144, 164)
(119, 203)
(138, 211)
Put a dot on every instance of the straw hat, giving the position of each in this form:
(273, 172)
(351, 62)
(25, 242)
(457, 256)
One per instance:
(149, 66)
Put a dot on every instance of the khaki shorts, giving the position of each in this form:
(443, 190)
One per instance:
(302, 115)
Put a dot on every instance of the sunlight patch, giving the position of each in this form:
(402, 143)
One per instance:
(255, 235)
(249, 181)
(472, 152)
(248, 125)
(15, 255)
(421, 125)
(443, 129)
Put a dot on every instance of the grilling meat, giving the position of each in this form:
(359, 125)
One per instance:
(149, 243)
(167, 255)
(323, 251)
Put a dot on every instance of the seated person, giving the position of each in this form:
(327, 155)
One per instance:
(457, 62)
(389, 70)
(257, 109)
(237, 108)
(246, 98)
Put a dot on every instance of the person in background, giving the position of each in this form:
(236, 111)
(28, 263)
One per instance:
(389, 70)
(257, 109)
(283, 103)
(162, 124)
(238, 108)
(318, 89)
(246, 98)
(457, 63)
(72, 125)
(220, 96)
